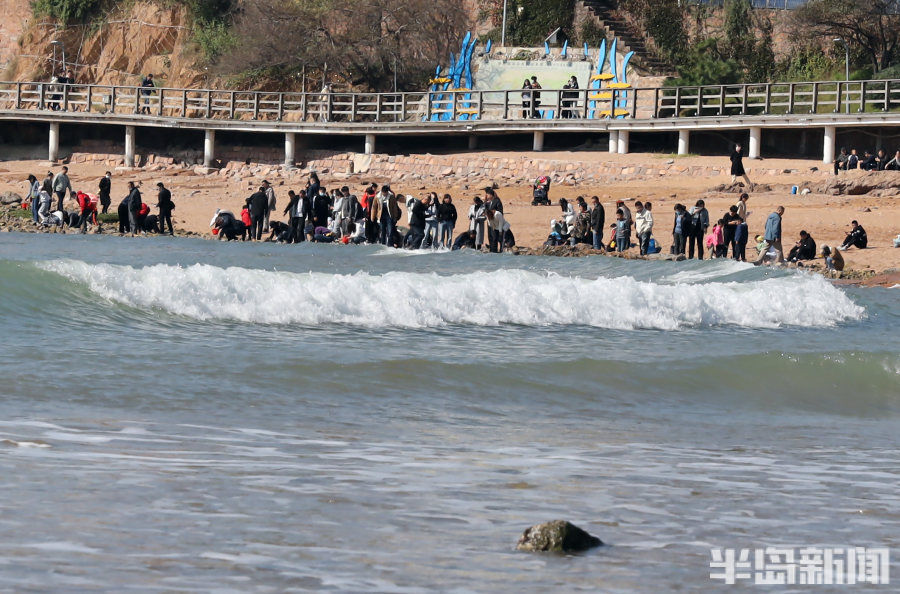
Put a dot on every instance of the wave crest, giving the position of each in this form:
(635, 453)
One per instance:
(416, 300)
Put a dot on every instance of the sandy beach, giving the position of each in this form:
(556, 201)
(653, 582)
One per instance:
(825, 217)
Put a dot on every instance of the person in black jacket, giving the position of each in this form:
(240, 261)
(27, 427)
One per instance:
(257, 203)
(857, 237)
(124, 224)
(598, 220)
(446, 217)
(321, 207)
(417, 222)
(105, 186)
(492, 202)
(737, 166)
(166, 206)
(805, 249)
(134, 209)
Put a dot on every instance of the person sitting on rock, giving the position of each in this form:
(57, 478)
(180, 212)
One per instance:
(857, 237)
(869, 162)
(805, 249)
(840, 164)
(833, 259)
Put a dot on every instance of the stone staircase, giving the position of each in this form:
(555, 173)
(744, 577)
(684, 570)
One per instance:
(630, 39)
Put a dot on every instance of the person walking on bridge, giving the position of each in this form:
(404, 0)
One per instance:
(146, 86)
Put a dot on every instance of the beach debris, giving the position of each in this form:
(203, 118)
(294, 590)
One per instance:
(558, 536)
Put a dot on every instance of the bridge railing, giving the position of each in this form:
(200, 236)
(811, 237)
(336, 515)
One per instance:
(436, 106)
(867, 96)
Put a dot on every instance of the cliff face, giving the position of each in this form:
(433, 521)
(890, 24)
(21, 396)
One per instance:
(126, 45)
(13, 22)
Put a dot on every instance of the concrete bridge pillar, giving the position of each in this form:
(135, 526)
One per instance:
(473, 142)
(53, 149)
(684, 141)
(370, 144)
(613, 141)
(129, 146)
(755, 142)
(290, 144)
(209, 148)
(623, 142)
(538, 144)
(828, 145)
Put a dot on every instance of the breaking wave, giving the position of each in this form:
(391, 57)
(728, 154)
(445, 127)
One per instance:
(417, 300)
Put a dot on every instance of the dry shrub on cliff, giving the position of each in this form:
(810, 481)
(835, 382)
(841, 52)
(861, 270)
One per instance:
(360, 42)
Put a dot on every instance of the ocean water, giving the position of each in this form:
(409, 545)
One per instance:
(191, 416)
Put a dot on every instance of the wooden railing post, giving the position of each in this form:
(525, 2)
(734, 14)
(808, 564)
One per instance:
(767, 109)
(722, 100)
(453, 106)
(231, 105)
(89, 99)
(43, 95)
(744, 100)
(677, 102)
(403, 107)
(862, 97)
(700, 100)
(480, 113)
(353, 107)
(162, 101)
(112, 100)
(304, 105)
(378, 98)
(815, 98)
(837, 98)
(137, 99)
(656, 102)
(585, 110)
(428, 108)
(208, 104)
(791, 98)
(280, 106)
(256, 106)
(184, 103)
(505, 105)
(66, 97)
(634, 103)
(18, 95)
(887, 95)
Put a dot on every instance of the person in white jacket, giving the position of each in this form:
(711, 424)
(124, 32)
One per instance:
(476, 221)
(643, 223)
(496, 222)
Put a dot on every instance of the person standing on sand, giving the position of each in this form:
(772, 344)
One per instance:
(390, 214)
(34, 195)
(598, 220)
(643, 220)
(258, 204)
(61, 183)
(47, 184)
(105, 186)
(622, 240)
(772, 237)
(678, 230)
(418, 212)
(492, 202)
(699, 225)
(166, 206)
(270, 204)
(134, 209)
(476, 221)
(737, 166)
(497, 223)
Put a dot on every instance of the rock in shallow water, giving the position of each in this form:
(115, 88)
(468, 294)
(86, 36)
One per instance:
(558, 536)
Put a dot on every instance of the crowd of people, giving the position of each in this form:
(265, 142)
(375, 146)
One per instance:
(693, 232)
(317, 214)
(83, 211)
(869, 161)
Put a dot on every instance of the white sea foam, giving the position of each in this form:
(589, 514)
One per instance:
(415, 300)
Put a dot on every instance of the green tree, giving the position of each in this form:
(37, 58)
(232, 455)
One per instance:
(529, 22)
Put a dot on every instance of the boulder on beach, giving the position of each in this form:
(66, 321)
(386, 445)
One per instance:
(886, 183)
(10, 198)
(558, 536)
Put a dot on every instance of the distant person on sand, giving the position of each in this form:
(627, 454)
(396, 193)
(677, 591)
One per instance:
(34, 195)
(146, 90)
(477, 220)
(257, 203)
(598, 220)
(622, 235)
(856, 238)
(497, 223)
(270, 203)
(643, 221)
(61, 183)
(492, 202)
(134, 209)
(105, 186)
(699, 226)
(772, 237)
(678, 229)
(737, 166)
(166, 206)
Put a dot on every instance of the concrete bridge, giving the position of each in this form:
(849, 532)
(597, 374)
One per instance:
(828, 106)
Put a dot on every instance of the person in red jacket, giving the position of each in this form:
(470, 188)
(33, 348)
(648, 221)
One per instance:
(88, 205)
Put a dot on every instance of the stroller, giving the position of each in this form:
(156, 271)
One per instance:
(541, 191)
